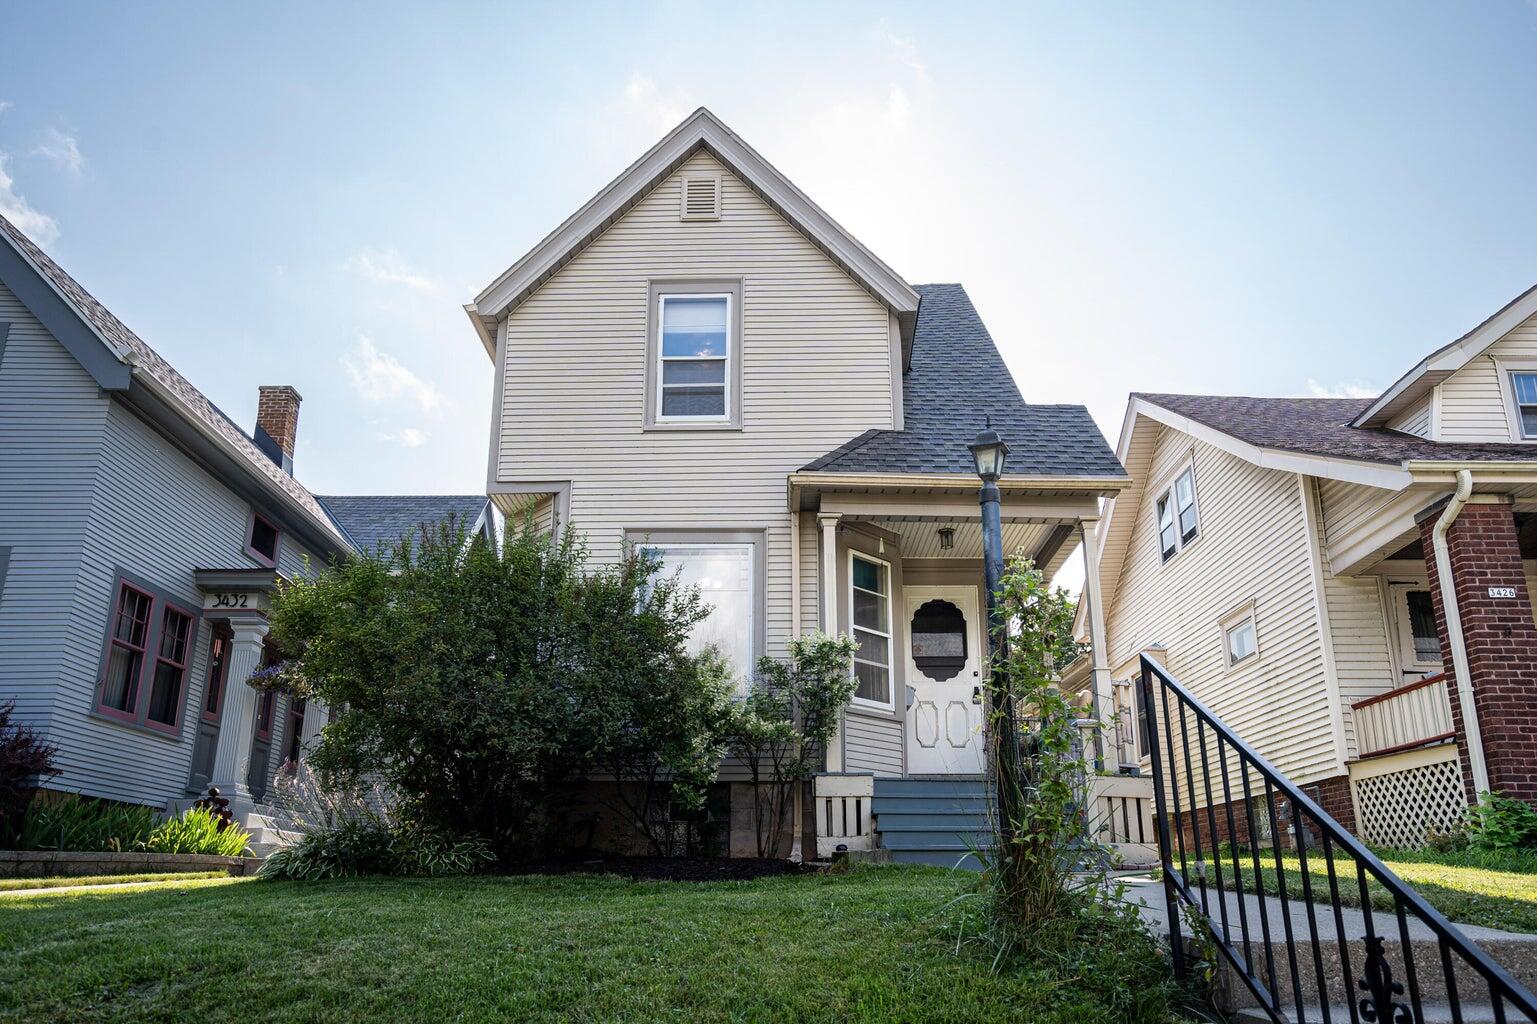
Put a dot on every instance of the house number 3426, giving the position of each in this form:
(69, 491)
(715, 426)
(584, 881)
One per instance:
(230, 600)
(1505, 592)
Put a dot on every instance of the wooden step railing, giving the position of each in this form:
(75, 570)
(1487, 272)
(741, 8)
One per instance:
(1410, 716)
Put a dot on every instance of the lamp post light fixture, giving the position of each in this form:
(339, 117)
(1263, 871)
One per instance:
(990, 454)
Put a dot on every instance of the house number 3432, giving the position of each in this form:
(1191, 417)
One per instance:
(1505, 592)
(230, 600)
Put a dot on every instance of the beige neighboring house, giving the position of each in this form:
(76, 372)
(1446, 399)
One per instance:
(700, 360)
(1346, 582)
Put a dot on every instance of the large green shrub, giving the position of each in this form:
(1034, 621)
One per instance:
(472, 679)
(1501, 822)
(84, 825)
(372, 844)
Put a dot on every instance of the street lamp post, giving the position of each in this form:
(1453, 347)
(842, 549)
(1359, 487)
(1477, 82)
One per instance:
(989, 453)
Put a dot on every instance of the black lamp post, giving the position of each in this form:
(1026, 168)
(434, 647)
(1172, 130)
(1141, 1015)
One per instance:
(989, 453)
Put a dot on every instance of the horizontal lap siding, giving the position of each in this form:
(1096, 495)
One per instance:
(51, 421)
(1472, 404)
(1253, 546)
(1416, 421)
(1347, 508)
(872, 744)
(158, 516)
(816, 365)
(1363, 662)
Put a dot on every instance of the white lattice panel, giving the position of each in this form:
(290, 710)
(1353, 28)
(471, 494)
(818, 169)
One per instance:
(1400, 801)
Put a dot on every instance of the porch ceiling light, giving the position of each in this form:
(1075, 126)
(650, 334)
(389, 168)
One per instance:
(946, 538)
(989, 452)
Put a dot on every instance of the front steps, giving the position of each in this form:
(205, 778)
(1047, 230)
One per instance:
(938, 821)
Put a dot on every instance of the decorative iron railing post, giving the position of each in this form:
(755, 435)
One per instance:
(1165, 852)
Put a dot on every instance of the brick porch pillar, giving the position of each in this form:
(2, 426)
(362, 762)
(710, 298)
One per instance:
(1499, 636)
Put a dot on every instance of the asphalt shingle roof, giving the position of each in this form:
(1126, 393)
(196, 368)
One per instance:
(1321, 426)
(958, 379)
(371, 520)
(131, 345)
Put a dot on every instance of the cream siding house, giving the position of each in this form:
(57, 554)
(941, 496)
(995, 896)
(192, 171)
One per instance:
(702, 361)
(1345, 530)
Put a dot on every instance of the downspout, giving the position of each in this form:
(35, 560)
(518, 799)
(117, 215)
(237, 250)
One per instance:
(1472, 732)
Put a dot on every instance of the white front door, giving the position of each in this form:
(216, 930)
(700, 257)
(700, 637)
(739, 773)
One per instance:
(944, 677)
(1419, 646)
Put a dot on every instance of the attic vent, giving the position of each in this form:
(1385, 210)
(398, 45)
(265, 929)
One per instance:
(701, 198)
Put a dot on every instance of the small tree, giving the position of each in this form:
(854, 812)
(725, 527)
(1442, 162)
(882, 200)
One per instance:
(784, 725)
(26, 762)
(473, 679)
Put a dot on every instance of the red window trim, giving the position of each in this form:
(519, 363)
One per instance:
(173, 727)
(214, 687)
(138, 715)
(266, 711)
(135, 686)
(277, 540)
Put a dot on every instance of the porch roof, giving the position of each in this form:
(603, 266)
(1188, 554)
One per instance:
(955, 382)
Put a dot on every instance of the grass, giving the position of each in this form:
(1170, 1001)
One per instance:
(872, 945)
(60, 881)
(1496, 890)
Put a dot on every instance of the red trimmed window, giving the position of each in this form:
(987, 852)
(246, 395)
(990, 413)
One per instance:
(125, 653)
(264, 714)
(262, 544)
(169, 681)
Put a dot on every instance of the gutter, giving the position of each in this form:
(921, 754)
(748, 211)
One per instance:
(1475, 738)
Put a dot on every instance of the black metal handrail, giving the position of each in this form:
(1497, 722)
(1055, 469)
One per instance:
(1234, 907)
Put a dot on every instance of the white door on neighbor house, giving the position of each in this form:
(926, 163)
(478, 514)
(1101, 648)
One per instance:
(1419, 646)
(944, 674)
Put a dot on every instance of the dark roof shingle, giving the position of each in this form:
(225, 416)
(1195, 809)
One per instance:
(1321, 426)
(957, 380)
(372, 520)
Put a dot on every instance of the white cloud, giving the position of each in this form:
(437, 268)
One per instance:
(379, 377)
(406, 437)
(1343, 389)
(4, 106)
(35, 224)
(646, 104)
(386, 267)
(62, 149)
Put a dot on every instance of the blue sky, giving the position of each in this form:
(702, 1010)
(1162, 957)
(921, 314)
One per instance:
(1229, 198)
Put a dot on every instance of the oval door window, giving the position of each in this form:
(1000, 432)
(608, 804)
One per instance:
(939, 640)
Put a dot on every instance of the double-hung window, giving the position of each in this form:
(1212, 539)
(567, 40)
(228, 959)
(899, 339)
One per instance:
(1240, 642)
(724, 575)
(148, 654)
(1178, 520)
(870, 625)
(694, 371)
(1524, 388)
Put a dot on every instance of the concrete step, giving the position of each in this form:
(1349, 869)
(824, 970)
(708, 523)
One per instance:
(262, 851)
(1434, 1013)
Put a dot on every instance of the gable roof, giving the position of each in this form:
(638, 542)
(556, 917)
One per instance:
(372, 520)
(700, 130)
(1447, 360)
(957, 379)
(1323, 427)
(74, 316)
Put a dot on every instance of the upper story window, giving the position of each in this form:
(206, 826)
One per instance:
(870, 622)
(1178, 520)
(262, 540)
(1240, 643)
(1524, 387)
(695, 357)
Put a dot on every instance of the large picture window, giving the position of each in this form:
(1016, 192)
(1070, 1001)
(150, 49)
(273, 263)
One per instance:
(724, 575)
(870, 625)
(695, 356)
(143, 679)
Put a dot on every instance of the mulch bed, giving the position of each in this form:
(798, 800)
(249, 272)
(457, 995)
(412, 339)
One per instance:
(665, 869)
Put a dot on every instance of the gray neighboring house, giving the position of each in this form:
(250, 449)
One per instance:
(141, 534)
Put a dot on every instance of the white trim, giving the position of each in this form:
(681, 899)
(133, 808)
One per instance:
(1508, 403)
(1312, 512)
(1433, 429)
(1448, 359)
(890, 704)
(1243, 615)
(700, 129)
(662, 359)
(1168, 489)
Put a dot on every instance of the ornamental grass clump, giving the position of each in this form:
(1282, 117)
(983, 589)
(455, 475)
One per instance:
(198, 831)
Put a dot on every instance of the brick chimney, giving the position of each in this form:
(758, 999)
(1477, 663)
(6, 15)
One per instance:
(277, 423)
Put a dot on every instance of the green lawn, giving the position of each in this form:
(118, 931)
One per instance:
(1495, 890)
(872, 945)
(60, 881)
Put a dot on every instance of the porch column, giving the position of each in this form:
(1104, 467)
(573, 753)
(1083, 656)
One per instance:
(1103, 687)
(829, 523)
(237, 719)
(1498, 635)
